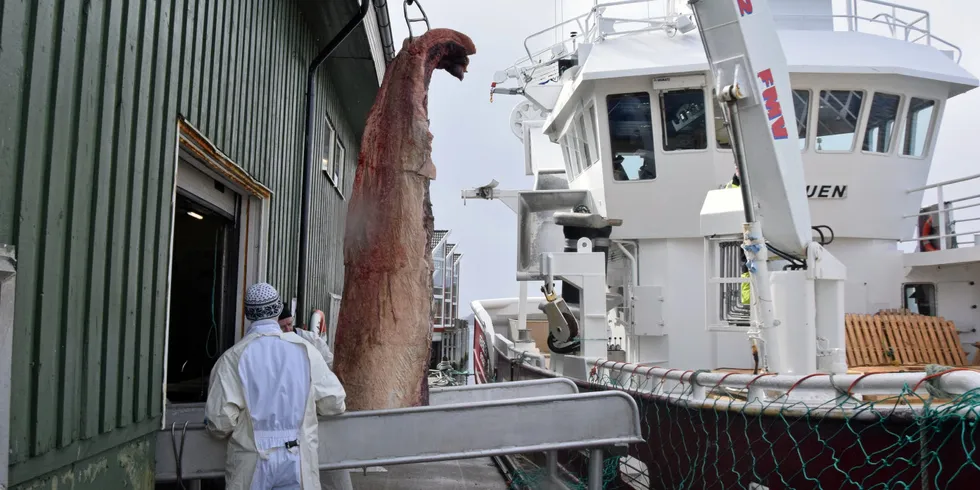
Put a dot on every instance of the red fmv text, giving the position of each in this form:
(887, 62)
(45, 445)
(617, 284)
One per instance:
(744, 7)
(773, 109)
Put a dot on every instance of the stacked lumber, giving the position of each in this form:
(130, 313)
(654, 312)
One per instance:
(902, 338)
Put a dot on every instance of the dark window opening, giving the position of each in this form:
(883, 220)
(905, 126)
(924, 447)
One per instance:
(801, 105)
(722, 134)
(683, 120)
(837, 119)
(920, 298)
(631, 136)
(917, 124)
(203, 294)
(881, 123)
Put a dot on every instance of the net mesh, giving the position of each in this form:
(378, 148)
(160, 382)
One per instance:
(902, 441)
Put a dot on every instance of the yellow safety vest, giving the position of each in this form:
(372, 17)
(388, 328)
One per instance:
(730, 185)
(746, 290)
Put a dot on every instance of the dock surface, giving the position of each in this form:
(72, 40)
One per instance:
(475, 474)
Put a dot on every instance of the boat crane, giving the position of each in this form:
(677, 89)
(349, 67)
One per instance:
(798, 320)
(793, 308)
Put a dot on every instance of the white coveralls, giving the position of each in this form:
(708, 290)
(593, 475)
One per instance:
(337, 479)
(318, 342)
(266, 392)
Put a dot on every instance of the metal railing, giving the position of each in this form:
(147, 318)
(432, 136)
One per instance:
(896, 21)
(948, 230)
(694, 387)
(716, 431)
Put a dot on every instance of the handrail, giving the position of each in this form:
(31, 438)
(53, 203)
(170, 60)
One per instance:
(697, 384)
(943, 209)
(943, 183)
(588, 25)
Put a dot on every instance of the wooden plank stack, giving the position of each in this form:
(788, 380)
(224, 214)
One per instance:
(900, 338)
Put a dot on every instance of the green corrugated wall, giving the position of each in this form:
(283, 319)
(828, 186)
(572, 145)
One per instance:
(90, 91)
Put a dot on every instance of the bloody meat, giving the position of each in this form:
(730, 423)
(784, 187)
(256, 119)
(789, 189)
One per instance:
(384, 334)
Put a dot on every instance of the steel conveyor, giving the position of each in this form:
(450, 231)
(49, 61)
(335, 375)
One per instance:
(461, 422)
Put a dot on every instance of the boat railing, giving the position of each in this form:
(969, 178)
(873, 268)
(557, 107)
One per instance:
(878, 17)
(708, 429)
(697, 386)
(586, 28)
(948, 230)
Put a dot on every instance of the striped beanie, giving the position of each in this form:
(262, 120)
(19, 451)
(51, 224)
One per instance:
(262, 302)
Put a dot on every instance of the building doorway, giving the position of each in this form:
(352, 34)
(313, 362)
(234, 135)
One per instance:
(204, 286)
(219, 245)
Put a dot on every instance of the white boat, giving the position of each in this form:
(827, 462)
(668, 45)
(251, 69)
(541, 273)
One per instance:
(863, 377)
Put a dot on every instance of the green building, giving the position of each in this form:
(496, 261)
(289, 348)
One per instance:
(151, 156)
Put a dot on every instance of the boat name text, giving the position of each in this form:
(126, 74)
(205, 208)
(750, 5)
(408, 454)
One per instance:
(826, 191)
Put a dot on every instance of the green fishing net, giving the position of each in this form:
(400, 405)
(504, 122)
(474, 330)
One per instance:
(902, 441)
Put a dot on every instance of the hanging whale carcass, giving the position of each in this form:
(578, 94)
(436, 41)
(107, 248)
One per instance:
(384, 335)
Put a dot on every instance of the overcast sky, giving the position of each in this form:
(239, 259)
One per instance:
(473, 143)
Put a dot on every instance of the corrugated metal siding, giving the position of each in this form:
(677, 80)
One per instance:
(91, 92)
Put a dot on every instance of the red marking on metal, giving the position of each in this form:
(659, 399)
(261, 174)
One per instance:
(774, 109)
(744, 7)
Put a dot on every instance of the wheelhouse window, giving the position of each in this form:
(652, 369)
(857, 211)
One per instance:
(631, 136)
(917, 124)
(801, 106)
(569, 164)
(838, 118)
(574, 144)
(594, 123)
(588, 150)
(881, 123)
(722, 136)
(683, 120)
(920, 298)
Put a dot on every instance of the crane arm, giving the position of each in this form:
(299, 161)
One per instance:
(749, 67)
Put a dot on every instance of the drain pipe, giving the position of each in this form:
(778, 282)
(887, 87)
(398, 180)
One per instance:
(304, 214)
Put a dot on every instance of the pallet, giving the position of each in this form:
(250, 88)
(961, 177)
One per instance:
(900, 338)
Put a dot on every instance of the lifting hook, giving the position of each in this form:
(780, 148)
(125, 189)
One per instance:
(409, 21)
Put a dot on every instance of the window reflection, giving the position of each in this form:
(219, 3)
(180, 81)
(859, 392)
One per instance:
(594, 122)
(917, 124)
(571, 155)
(587, 151)
(722, 136)
(920, 298)
(563, 144)
(881, 123)
(631, 136)
(575, 150)
(837, 119)
(683, 120)
(801, 104)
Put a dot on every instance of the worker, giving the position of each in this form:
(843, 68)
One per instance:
(746, 286)
(330, 480)
(265, 395)
(735, 182)
(618, 172)
(287, 325)
(286, 319)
